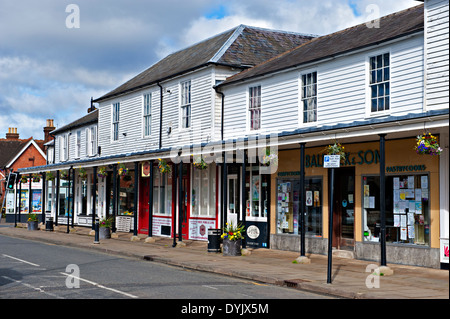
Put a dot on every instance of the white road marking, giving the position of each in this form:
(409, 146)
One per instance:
(32, 287)
(101, 286)
(21, 260)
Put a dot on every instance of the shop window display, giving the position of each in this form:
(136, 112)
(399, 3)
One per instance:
(407, 209)
(257, 188)
(126, 195)
(288, 206)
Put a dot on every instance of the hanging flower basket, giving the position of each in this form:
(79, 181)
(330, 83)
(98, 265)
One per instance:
(82, 173)
(163, 166)
(199, 163)
(269, 159)
(122, 171)
(24, 179)
(64, 175)
(36, 178)
(101, 173)
(335, 149)
(427, 144)
(49, 176)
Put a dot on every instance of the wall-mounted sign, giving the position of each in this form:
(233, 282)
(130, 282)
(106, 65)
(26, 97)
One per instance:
(331, 161)
(145, 169)
(253, 232)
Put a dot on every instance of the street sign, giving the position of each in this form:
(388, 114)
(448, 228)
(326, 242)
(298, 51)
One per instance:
(331, 161)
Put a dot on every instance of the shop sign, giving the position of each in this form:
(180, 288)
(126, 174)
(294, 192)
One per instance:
(253, 232)
(405, 168)
(145, 169)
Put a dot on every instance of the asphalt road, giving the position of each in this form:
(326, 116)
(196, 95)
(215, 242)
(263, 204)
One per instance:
(35, 270)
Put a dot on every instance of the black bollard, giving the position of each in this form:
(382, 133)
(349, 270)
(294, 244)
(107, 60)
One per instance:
(96, 228)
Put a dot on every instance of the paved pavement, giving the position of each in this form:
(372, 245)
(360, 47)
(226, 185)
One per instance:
(351, 278)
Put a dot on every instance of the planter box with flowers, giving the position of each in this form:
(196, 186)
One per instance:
(427, 144)
(232, 239)
(32, 222)
(104, 228)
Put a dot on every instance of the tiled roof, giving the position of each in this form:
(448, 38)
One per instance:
(390, 27)
(241, 47)
(91, 117)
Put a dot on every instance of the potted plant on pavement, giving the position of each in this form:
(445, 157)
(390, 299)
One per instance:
(105, 228)
(32, 222)
(232, 238)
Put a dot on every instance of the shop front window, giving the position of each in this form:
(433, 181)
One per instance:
(257, 190)
(407, 209)
(288, 206)
(162, 193)
(203, 194)
(126, 195)
(65, 207)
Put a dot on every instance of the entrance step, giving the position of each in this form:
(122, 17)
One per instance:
(343, 253)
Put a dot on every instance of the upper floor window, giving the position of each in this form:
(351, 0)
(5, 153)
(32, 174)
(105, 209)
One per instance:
(91, 141)
(63, 147)
(147, 114)
(115, 121)
(186, 104)
(379, 83)
(254, 107)
(78, 144)
(309, 97)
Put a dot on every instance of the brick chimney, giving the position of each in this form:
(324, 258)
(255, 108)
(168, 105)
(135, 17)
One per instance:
(47, 129)
(12, 134)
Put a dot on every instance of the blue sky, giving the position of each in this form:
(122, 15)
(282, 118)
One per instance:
(50, 71)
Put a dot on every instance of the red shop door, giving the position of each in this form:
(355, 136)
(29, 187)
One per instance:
(143, 205)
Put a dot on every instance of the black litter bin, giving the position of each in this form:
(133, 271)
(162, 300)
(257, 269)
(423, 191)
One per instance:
(214, 240)
(49, 224)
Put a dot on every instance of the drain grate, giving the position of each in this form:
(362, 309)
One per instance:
(293, 283)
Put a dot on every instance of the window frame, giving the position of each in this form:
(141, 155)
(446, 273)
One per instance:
(303, 99)
(147, 115)
(369, 84)
(250, 108)
(78, 144)
(185, 105)
(115, 120)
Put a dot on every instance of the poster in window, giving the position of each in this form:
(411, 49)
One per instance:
(423, 181)
(36, 201)
(309, 198)
(255, 187)
(403, 233)
(396, 220)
